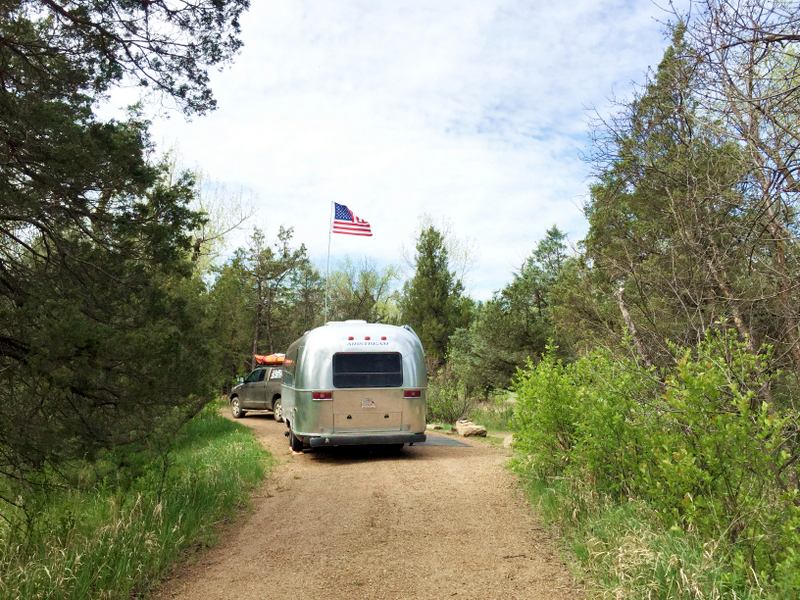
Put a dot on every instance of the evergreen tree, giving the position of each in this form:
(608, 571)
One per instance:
(432, 300)
(99, 316)
(515, 324)
(665, 218)
(231, 306)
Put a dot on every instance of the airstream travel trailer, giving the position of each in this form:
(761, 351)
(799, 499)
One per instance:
(352, 382)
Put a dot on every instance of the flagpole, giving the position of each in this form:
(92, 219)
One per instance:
(328, 265)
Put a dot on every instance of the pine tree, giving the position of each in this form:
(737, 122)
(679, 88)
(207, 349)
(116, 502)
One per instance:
(432, 302)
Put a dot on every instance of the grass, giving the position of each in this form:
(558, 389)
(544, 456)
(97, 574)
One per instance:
(118, 538)
(624, 551)
(494, 414)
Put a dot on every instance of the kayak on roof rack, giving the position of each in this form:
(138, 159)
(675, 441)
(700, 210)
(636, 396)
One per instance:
(269, 359)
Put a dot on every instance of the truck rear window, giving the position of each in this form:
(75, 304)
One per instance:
(367, 370)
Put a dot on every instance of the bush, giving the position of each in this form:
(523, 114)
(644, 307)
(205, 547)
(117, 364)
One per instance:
(702, 446)
(447, 399)
(546, 415)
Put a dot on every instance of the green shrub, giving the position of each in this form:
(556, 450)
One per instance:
(447, 399)
(547, 413)
(703, 446)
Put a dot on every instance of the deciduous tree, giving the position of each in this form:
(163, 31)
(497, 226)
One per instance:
(362, 291)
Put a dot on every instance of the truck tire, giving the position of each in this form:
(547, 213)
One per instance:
(277, 410)
(236, 408)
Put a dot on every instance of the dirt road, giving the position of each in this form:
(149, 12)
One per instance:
(429, 522)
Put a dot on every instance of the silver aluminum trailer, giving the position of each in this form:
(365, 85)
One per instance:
(351, 383)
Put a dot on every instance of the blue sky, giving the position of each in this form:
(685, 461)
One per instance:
(471, 111)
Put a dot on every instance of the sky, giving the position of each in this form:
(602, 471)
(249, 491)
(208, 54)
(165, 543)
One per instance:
(474, 112)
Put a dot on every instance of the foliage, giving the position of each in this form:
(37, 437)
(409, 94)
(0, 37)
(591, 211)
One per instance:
(698, 446)
(546, 415)
(496, 414)
(362, 292)
(94, 45)
(270, 268)
(231, 302)
(514, 325)
(432, 300)
(96, 331)
(680, 415)
(119, 537)
(447, 400)
(680, 219)
(263, 298)
(98, 314)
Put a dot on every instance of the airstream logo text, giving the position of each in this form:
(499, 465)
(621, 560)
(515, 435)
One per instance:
(352, 343)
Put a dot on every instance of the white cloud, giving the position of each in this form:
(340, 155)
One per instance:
(474, 110)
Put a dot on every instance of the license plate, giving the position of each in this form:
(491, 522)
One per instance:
(368, 403)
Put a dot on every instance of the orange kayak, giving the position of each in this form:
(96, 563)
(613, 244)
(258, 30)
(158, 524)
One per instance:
(270, 359)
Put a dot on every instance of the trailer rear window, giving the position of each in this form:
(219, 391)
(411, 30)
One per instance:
(367, 370)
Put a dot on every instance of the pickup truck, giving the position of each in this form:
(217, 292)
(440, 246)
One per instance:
(260, 391)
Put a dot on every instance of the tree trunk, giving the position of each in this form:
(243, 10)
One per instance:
(631, 327)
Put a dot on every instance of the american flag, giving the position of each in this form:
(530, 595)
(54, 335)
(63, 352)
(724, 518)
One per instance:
(344, 221)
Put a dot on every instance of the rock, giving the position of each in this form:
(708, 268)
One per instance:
(508, 440)
(432, 426)
(469, 429)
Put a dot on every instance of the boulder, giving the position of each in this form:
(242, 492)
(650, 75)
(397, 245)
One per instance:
(508, 440)
(469, 429)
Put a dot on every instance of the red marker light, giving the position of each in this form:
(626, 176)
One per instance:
(366, 338)
(412, 394)
(322, 395)
(351, 338)
(383, 337)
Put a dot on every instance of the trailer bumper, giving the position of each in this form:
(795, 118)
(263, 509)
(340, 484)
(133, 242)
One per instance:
(366, 439)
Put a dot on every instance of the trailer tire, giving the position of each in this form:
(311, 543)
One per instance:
(236, 408)
(294, 443)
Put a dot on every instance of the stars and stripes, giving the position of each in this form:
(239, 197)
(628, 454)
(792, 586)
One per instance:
(344, 221)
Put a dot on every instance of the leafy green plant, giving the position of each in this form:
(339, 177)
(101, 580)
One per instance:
(547, 413)
(703, 447)
(447, 400)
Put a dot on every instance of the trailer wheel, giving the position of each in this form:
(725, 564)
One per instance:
(236, 408)
(296, 444)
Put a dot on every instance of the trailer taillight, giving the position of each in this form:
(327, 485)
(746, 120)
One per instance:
(412, 393)
(322, 395)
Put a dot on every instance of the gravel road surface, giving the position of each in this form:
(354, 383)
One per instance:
(428, 522)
